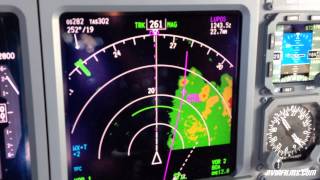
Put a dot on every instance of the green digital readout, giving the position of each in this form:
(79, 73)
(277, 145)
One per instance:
(219, 167)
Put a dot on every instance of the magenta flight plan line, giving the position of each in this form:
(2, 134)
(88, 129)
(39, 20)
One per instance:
(178, 116)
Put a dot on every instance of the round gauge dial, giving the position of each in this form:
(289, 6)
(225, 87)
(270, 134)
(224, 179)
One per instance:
(290, 131)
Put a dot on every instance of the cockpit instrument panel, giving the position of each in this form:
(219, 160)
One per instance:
(296, 56)
(14, 143)
(293, 56)
(151, 95)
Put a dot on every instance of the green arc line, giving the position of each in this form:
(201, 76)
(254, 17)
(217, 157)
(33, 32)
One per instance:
(152, 107)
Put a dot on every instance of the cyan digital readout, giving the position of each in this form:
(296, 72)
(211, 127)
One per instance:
(296, 47)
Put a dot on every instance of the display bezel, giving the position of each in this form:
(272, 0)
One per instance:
(53, 72)
(292, 87)
(286, 33)
(16, 69)
(236, 13)
(32, 86)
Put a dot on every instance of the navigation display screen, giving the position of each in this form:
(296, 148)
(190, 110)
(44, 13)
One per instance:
(297, 55)
(151, 95)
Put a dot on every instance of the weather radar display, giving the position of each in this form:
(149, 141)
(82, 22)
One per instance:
(150, 95)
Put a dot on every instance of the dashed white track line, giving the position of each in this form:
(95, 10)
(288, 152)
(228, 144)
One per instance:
(188, 157)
